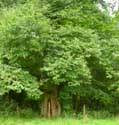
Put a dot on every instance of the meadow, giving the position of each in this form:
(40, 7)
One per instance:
(59, 121)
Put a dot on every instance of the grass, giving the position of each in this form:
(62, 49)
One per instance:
(59, 121)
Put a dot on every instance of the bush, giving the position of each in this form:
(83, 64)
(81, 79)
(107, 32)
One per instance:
(100, 114)
(7, 108)
(28, 113)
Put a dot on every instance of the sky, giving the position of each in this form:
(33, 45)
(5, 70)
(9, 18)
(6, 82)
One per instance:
(112, 4)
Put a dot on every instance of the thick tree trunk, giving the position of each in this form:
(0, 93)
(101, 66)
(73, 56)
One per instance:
(50, 106)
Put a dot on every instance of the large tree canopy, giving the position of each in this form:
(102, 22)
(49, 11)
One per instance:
(53, 49)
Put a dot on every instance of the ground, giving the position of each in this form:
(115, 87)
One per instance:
(60, 121)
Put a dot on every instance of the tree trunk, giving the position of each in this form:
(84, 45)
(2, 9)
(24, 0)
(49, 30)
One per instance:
(50, 106)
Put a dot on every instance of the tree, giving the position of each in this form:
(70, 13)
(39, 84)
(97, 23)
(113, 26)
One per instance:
(53, 47)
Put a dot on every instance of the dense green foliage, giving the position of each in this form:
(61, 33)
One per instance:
(68, 49)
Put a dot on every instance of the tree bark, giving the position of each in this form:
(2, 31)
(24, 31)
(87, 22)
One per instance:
(50, 106)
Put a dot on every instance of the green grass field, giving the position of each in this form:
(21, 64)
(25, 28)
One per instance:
(38, 121)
